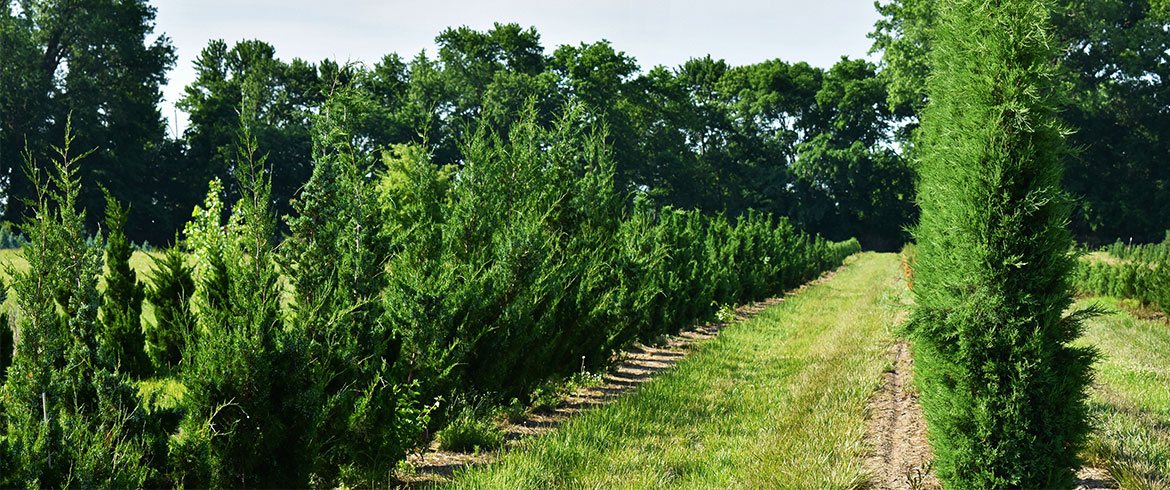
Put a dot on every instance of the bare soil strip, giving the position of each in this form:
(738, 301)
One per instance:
(897, 431)
(636, 366)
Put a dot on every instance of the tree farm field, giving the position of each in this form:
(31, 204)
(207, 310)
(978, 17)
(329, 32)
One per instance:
(784, 400)
(777, 401)
(780, 400)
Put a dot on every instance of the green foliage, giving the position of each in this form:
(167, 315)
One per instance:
(6, 339)
(1140, 272)
(121, 309)
(492, 281)
(522, 268)
(101, 63)
(245, 412)
(1003, 390)
(71, 417)
(336, 256)
(1113, 78)
(170, 294)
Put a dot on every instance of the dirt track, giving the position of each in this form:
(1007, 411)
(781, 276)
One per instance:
(897, 432)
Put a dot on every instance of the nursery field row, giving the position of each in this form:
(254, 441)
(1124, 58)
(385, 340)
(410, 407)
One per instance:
(780, 401)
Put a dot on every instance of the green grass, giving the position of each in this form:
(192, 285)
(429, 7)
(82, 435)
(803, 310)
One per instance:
(775, 402)
(141, 262)
(1131, 398)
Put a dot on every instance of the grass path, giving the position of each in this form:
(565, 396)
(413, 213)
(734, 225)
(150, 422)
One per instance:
(776, 402)
(1130, 398)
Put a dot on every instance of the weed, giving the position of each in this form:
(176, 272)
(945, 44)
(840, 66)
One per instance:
(723, 312)
(545, 398)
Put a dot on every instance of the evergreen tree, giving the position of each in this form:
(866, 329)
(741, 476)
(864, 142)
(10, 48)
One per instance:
(1003, 390)
(171, 296)
(247, 408)
(338, 253)
(6, 337)
(121, 309)
(71, 417)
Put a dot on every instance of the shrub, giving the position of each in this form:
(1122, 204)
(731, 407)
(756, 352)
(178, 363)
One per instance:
(1003, 390)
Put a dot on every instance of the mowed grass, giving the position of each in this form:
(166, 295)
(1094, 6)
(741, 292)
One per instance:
(1130, 398)
(141, 262)
(775, 402)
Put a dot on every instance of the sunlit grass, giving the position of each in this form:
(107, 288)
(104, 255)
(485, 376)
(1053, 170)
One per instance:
(13, 260)
(775, 402)
(1131, 398)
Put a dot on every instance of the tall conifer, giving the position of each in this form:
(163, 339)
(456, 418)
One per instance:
(1003, 390)
(121, 309)
(70, 416)
(171, 296)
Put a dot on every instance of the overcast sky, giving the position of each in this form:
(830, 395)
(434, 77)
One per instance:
(656, 32)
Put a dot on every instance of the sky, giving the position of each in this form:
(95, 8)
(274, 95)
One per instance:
(654, 32)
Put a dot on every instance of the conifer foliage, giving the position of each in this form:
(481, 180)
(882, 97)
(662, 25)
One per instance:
(1003, 390)
(317, 358)
(337, 253)
(121, 308)
(245, 413)
(170, 294)
(69, 412)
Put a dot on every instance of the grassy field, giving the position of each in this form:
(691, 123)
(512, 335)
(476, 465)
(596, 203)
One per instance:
(13, 259)
(1131, 397)
(775, 402)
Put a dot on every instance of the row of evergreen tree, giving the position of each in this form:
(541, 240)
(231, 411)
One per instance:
(317, 358)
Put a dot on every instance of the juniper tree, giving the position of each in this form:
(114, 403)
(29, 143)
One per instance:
(121, 309)
(245, 420)
(1003, 390)
(171, 295)
(336, 256)
(70, 416)
(6, 338)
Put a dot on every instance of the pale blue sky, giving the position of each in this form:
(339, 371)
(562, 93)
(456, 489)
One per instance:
(657, 32)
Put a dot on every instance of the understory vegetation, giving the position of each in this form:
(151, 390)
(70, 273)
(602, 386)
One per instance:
(402, 292)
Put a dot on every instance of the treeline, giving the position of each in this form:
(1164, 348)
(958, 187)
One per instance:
(786, 138)
(402, 288)
(815, 145)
